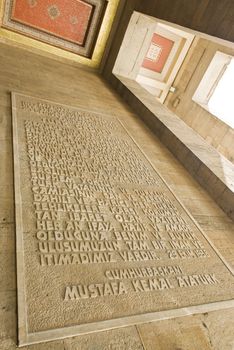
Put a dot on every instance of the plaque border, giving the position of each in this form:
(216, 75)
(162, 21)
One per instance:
(24, 337)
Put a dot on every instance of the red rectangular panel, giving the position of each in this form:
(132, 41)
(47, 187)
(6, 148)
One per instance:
(158, 53)
(67, 19)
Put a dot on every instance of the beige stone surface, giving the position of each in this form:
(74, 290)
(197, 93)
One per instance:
(45, 78)
(209, 167)
(174, 335)
(206, 331)
(8, 324)
(6, 164)
(217, 328)
(152, 250)
(7, 238)
(6, 210)
(213, 130)
(120, 339)
(8, 270)
(47, 346)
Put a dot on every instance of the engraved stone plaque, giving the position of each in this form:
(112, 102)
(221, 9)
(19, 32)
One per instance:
(102, 242)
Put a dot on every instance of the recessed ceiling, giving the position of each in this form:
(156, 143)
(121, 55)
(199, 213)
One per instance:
(65, 30)
(70, 24)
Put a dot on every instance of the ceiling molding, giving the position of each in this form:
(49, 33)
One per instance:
(100, 37)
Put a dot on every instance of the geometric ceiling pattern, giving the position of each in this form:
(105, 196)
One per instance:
(72, 25)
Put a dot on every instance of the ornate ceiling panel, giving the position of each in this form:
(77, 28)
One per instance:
(70, 24)
(158, 53)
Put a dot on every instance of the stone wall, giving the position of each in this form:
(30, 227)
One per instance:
(213, 130)
(23, 72)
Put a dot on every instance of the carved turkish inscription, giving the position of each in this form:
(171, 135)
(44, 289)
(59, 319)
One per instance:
(103, 236)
